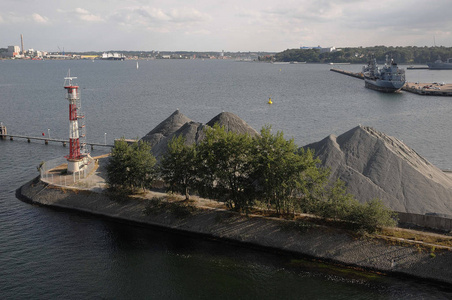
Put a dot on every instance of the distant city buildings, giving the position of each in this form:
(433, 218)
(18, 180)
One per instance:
(13, 51)
(18, 52)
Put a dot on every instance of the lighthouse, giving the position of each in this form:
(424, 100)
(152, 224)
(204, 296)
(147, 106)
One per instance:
(77, 157)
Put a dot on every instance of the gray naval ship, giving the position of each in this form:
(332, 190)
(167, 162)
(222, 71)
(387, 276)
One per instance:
(440, 65)
(388, 79)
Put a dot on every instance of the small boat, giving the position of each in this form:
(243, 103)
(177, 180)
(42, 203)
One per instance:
(137, 65)
(388, 79)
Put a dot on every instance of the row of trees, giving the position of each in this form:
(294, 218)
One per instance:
(243, 171)
(402, 55)
(239, 170)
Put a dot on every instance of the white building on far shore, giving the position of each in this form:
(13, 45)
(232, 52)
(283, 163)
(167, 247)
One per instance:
(321, 49)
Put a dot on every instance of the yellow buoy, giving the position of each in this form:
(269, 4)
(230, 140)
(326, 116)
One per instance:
(270, 101)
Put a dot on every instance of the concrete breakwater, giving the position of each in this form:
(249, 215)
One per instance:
(318, 242)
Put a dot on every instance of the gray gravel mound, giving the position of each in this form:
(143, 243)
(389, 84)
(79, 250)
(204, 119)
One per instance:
(232, 123)
(375, 165)
(170, 125)
(193, 132)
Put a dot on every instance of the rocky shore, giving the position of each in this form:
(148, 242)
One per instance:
(208, 220)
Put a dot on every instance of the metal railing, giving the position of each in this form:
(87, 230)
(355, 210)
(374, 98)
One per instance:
(54, 172)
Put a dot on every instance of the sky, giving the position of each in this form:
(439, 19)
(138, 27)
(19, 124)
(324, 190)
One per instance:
(229, 25)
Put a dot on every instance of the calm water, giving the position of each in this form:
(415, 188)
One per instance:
(53, 254)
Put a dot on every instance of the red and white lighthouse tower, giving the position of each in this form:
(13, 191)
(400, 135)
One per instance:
(76, 155)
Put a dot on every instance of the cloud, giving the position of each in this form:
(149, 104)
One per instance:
(188, 15)
(152, 17)
(39, 19)
(234, 24)
(80, 14)
(12, 17)
(85, 15)
(198, 32)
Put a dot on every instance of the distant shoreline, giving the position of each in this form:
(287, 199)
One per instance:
(275, 235)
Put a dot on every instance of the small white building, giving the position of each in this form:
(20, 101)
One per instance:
(321, 49)
(328, 49)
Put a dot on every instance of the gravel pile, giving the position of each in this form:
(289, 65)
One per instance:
(178, 124)
(166, 128)
(375, 165)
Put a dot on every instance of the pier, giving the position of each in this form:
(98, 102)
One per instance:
(428, 89)
(46, 140)
(417, 68)
(348, 73)
(424, 89)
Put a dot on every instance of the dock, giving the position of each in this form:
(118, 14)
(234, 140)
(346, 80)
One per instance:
(428, 89)
(417, 68)
(46, 140)
(348, 73)
(424, 89)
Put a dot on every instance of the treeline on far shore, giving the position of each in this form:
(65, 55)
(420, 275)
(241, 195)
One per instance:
(264, 172)
(401, 55)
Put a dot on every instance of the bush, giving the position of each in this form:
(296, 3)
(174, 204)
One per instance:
(372, 215)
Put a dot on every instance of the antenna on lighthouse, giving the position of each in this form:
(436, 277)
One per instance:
(68, 79)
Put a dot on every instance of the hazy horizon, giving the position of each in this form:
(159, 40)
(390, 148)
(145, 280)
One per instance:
(232, 26)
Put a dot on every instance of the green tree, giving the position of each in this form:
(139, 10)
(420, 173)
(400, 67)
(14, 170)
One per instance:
(131, 166)
(178, 166)
(223, 164)
(410, 54)
(285, 175)
(142, 168)
(116, 168)
(312, 182)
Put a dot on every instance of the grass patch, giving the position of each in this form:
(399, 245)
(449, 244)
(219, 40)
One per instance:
(417, 236)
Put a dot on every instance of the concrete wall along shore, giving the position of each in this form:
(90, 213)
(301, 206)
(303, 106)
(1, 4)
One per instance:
(317, 242)
(426, 221)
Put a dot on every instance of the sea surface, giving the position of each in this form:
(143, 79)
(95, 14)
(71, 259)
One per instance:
(53, 254)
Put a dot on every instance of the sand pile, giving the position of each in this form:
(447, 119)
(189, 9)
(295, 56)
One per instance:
(373, 164)
(178, 124)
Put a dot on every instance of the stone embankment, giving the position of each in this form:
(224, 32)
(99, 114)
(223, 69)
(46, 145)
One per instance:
(208, 220)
